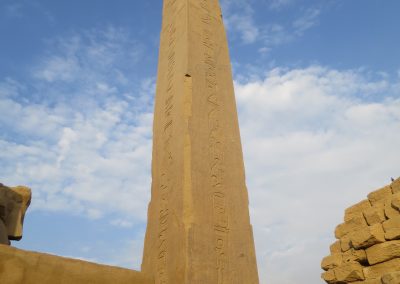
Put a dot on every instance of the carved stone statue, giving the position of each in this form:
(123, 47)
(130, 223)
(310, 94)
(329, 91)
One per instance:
(14, 202)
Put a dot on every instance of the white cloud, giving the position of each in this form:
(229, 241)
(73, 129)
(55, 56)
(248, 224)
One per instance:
(69, 139)
(239, 17)
(240, 20)
(316, 141)
(306, 21)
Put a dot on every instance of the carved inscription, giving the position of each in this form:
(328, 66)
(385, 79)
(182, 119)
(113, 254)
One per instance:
(215, 145)
(166, 185)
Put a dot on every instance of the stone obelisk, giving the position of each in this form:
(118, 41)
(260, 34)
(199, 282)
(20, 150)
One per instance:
(198, 219)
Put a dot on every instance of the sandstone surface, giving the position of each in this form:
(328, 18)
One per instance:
(370, 251)
(14, 202)
(198, 228)
(23, 267)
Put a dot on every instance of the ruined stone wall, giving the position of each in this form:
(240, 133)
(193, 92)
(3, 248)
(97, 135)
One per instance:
(25, 267)
(367, 249)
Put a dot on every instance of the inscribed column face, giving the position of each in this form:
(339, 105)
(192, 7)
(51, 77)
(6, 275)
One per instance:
(198, 219)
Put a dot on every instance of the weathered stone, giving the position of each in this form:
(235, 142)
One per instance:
(349, 272)
(354, 255)
(367, 236)
(14, 202)
(383, 252)
(379, 196)
(331, 261)
(377, 270)
(335, 247)
(345, 243)
(390, 210)
(395, 186)
(3, 234)
(375, 215)
(352, 225)
(329, 277)
(396, 201)
(368, 281)
(198, 228)
(23, 267)
(391, 278)
(356, 210)
(392, 228)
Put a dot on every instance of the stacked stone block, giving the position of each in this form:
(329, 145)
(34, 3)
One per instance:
(367, 249)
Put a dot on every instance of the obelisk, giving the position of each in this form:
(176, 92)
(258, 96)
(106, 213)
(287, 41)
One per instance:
(198, 227)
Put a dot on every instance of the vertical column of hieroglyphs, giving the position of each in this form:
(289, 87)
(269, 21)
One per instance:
(215, 146)
(222, 250)
(198, 229)
(156, 251)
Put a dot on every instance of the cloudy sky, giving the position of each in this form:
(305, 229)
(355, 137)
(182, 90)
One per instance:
(318, 93)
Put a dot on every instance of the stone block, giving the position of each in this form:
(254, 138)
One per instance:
(368, 281)
(331, 261)
(396, 201)
(375, 215)
(395, 186)
(354, 255)
(352, 225)
(391, 278)
(356, 210)
(390, 210)
(329, 277)
(392, 228)
(335, 247)
(383, 252)
(379, 196)
(24, 267)
(367, 236)
(377, 270)
(349, 272)
(345, 243)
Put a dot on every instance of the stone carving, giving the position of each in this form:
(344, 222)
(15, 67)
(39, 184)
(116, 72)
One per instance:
(198, 227)
(14, 202)
(368, 246)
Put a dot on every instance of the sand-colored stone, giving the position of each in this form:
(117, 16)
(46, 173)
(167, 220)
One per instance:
(198, 227)
(349, 272)
(367, 236)
(355, 223)
(356, 210)
(3, 234)
(375, 245)
(392, 228)
(395, 186)
(391, 278)
(380, 269)
(23, 267)
(355, 255)
(345, 243)
(396, 201)
(331, 261)
(376, 214)
(379, 196)
(383, 252)
(390, 210)
(335, 247)
(370, 281)
(329, 277)
(14, 202)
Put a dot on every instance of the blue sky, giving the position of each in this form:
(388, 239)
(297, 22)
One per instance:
(318, 92)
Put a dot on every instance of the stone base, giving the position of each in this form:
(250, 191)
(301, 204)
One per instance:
(24, 267)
